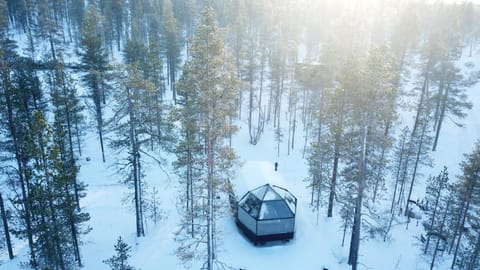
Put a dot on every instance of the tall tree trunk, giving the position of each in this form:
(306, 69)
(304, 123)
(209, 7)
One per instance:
(438, 102)
(250, 103)
(458, 220)
(70, 139)
(158, 112)
(345, 227)
(417, 161)
(357, 218)
(172, 79)
(210, 196)
(462, 225)
(23, 179)
(100, 135)
(474, 258)
(97, 96)
(56, 231)
(432, 222)
(294, 126)
(5, 228)
(398, 175)
(423, 95)
(336, 157)
(317, 178)
(73, 227)
(77, 135)
(441, 117)
(135, 166)
(432, 264)
(381, 167)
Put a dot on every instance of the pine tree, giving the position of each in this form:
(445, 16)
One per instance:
(155, 50)
(130, 127)
(366, 140)
(189, 150)
(53, 200)
(437, 207)
(4, 75)
(67, 122)
(119, 261)
(18, 14)
(70, 189)
(76, 10)
(418, 150)
(68, 110)
(137, 19)
(207, 91)
(20, 95)
(405, 34)
(3, 20)
(466, 249)
(321, 99)
(45, 175)
(172, 44)
(154, 73)
(115, 22)
(95, 67)
(450, 100)
(6, 230)
(48, 26)
(403, 169)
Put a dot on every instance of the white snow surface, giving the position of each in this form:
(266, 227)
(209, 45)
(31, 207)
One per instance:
(317, 241)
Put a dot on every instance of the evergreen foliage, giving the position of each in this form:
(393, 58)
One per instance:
(119, 261)
(337, 70)
(95, 66)
(172, 44)
(466, 250)
(207, 91)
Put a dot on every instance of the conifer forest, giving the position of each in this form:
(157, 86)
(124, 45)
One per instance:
(130, 129)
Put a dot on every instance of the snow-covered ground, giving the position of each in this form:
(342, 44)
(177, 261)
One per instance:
(315, 245)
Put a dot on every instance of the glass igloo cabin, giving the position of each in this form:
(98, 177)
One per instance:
(267, 213)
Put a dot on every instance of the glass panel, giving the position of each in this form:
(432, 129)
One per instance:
(288, 197)
(260, 192)
(276, 226)
(251, 205)
(271, 195)
(275, 209)
(247, 220)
